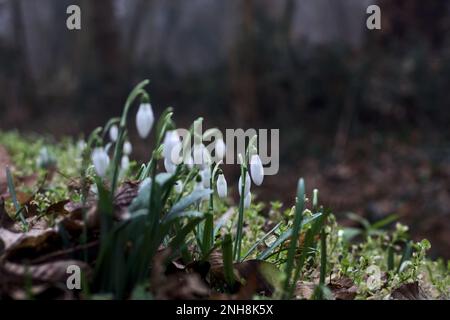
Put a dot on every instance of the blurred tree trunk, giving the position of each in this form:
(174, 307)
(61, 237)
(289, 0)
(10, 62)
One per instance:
(22, 87)
(242, 71)
(110, 66)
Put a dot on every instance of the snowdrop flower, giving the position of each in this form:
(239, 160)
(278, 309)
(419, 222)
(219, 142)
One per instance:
(113, 133)
(247, 200)
(202, 157)
(178, 186)
(144, 119)
(206, 177)
(172, 146)
(256, 169)
(45, 159)
(169, 165)
(125, 162)
(221, 185)
(247, 184)
(127, 148)
(100, 160)
(81, 144)
(220, 149)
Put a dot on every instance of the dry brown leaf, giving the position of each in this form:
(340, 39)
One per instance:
(30, 244)
(304, 290)
(243, 272)
(179, 286)
(409, 291)
(52, 272)
(343, 288)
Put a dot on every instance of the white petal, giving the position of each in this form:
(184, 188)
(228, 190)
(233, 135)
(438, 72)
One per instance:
(144, 119)
(171, 139)
(127, 148)
(206, 177)
(220, 149)
(125, 162)
(247, 200)
(247, 184)
(100, 160)
(256, 169)
(221, 185)
(169, 166)
(113, 133)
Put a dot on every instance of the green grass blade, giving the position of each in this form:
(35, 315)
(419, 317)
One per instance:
(257, 243)
(227, 254)
(299, 207)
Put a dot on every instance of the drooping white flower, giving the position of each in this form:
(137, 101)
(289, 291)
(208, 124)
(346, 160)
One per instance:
(221, 185)
(172, 146)
(127, 148)
(178, 186)
(169, 165)
(125, 162)
(220, 149)
(247, 200)
(202, 158)
(100, 159)
(206, 177)
(256, 169)
(144, 119)
(113, 133)
(247, 184)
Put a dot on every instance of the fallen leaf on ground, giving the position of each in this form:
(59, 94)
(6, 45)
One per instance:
(409, 291)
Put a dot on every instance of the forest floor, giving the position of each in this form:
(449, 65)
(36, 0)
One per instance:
(354, 246)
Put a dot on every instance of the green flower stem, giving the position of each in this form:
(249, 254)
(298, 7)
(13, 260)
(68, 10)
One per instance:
(136, 92)
(323, 254)
(299, 207)
(227, 254)
(240, 224)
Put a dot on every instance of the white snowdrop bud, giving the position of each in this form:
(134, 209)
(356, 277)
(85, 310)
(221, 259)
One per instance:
(127, 148)
(247, 200)
(247, 184)
(256, 169)
(178, 186)
(206, 177)
(125, 162)
(100, 159)
(221, 185)
(144, 119)
(113, 133)
(171, 141)
(169, 166)
(220, 149)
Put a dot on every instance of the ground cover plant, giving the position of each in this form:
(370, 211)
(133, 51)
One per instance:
(165, 229)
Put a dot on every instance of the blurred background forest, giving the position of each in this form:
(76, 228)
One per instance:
(363, 115)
